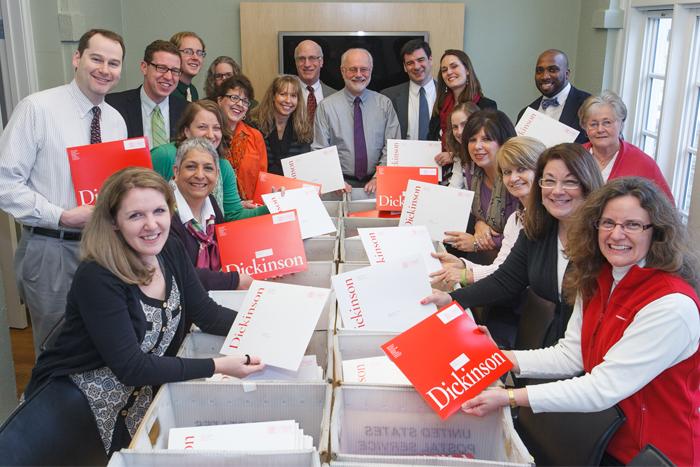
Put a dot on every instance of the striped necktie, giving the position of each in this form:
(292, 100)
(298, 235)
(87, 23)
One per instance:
(157, 128)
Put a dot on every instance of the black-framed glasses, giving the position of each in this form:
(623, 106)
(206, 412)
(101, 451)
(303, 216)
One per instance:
(628, 226)
(236, 99)
(190, 52)
(162, 69)
(226, 75)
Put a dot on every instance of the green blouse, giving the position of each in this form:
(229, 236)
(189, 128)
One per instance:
(163, 158)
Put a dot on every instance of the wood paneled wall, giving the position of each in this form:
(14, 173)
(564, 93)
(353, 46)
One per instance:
(260, 23)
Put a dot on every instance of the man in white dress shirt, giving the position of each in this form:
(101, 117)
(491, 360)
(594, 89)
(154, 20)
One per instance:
(35, 180)
(308, 58)
(413, 101)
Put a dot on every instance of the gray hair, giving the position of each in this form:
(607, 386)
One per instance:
(606, 97)
(201, 144)
(357, 49)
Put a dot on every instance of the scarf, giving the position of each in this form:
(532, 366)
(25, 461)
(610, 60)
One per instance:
(495, 216)
(208, 255)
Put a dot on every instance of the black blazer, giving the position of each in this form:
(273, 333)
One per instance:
(569, 114)
(128, 103)
(399, 96)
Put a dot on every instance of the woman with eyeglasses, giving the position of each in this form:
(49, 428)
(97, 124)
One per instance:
(603, 117)
(205, 119)
(283, 121)
(566, 175)
(634, 331)
(221, 69)
(247, 153)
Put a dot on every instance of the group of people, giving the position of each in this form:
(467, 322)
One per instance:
(589, 226)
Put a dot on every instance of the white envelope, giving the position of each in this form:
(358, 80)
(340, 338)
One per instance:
(373, 370)
(544, 128)
(275, 322)
(384, 297)
(384, 244)
(321, 166)
(279, 435)
(439, 208)
(313, 216)
(412, 153)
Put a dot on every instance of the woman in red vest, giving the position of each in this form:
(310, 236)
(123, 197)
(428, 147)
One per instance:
(634, 331)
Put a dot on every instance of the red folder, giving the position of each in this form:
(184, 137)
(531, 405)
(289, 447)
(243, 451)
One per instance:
(447, 359)
(267, 180)
(263, 246)
(375, 213)
(92, 164)
(392, 181)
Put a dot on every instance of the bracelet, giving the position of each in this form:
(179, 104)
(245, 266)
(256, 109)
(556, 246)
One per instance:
(511, 398)
(463, 278)
(476, 246)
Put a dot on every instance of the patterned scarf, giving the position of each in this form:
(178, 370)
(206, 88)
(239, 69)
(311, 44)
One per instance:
(208, 255)
(495, 216)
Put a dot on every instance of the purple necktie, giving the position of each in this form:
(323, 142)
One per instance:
(95, 135)
(360, 145)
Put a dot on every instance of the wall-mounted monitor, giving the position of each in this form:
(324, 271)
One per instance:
(384, 47)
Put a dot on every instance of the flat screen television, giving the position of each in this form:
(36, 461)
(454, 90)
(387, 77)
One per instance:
(384, 47)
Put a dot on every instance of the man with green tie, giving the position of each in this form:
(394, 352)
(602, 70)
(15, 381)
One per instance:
(151, 110)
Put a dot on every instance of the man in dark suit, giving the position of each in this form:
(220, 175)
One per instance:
(152, 110)
(559, 100)
(308, 57)
(413, 100)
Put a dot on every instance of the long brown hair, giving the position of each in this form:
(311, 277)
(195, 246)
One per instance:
(454, 146)
(263, 116)
(538, 221)
(103, 243)
(471, 90)
(190, 114)
(669, 250)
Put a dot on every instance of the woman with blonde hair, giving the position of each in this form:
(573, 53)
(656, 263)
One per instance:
(131, 296)
(283, 122)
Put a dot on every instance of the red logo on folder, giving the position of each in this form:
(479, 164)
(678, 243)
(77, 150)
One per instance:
(392, 181)
(267, 180)
(459, 363)
(92, 164)
(263, 246)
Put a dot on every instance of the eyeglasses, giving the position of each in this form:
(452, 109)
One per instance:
(354, 70)
(235, 99)
(162, 69)
(607, 124)
(551, 183)
(190, 52)
(609, 225)
(223, 75)
(310, 58)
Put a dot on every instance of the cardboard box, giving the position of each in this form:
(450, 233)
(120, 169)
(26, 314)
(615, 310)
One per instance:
(334, 208)
(199, 344)
(323, 248)
(395, 421)
(418, 461)
(199, 404)
(135, 458)
(353, 251)
(349, 344)
(351, 224)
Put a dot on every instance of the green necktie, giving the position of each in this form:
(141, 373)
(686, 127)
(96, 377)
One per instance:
(158, 128)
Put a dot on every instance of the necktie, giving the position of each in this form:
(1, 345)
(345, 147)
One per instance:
(553, 102)
(157, 128)
(360, 144)
(189, 95)
(423, 115)
(311, 103)
(95, 134)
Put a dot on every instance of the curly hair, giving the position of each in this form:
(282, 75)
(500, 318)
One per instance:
(263, 116)
(210, 82)
(669, 250)
(538, 221)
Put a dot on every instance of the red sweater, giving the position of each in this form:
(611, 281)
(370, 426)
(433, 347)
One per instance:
(633, 162)
(665, 412)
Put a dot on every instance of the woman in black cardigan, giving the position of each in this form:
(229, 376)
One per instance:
(566, 174)
(126, 312)
(196, 212)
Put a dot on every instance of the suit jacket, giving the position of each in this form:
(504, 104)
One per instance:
(327, 90)
(399, 96)
(569, 114)
(128, 103)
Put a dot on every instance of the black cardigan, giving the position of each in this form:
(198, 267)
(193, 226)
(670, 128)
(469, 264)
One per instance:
(530, 263)
(281, 149)
(105, 325)
(211, 280)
